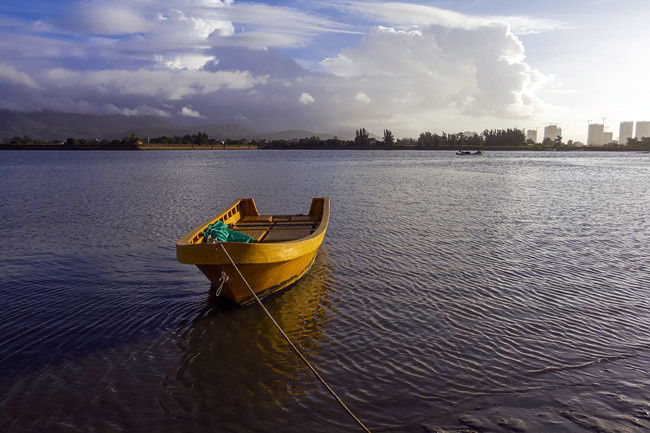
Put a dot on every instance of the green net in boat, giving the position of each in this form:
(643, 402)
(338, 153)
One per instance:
(220, 232)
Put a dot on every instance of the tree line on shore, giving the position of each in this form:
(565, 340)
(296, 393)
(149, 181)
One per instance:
(494, 138)
(133, 140)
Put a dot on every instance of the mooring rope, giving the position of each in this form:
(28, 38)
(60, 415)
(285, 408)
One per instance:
(291, 343)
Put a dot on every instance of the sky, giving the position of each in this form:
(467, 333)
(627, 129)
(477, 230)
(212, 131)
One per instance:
(333, 66)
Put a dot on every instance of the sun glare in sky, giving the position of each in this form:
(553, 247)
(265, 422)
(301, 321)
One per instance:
(334, 66)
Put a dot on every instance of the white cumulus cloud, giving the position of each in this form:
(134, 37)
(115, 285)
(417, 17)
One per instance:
(188, 112)
(13, 76)
(306, 99)
(189, 61)
(479, 71)
(227, 61)
(362, 97)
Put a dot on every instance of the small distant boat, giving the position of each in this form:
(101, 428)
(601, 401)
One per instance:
(271, 251)
(467, 152)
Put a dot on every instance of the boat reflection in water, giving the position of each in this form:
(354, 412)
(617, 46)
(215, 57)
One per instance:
(235, 362)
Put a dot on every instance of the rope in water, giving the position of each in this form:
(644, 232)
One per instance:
(291, 343)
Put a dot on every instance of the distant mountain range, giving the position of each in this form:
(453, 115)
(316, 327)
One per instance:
(53, 125)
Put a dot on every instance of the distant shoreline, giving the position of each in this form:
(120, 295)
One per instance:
(163, 147)
(136, 147)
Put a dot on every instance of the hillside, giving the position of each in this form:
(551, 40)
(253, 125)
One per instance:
(51, 125)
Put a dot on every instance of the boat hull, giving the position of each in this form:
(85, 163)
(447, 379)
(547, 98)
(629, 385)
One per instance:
(266, 278)
(285, 248)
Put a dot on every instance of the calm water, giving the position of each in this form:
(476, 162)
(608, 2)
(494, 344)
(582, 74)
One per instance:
(509, 292)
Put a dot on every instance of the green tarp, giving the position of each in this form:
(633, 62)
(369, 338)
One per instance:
(222, 233)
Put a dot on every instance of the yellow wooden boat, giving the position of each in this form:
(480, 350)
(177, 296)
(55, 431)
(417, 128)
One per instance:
(282, 251)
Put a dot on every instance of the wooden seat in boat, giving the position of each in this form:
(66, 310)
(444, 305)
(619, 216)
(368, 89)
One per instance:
(286, 235)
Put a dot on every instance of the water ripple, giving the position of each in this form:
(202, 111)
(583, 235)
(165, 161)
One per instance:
(507, 293)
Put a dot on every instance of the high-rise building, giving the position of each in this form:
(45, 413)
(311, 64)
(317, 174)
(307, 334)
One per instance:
(625, 131)
(531, 134)
(596, 134)
(642, 129)
(552, 132)
(608, 137)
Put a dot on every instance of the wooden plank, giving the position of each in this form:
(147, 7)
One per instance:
(291, 224)
(304, 218)
(286, 235)
(257, 235)
(256, 218)
(252, 226)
